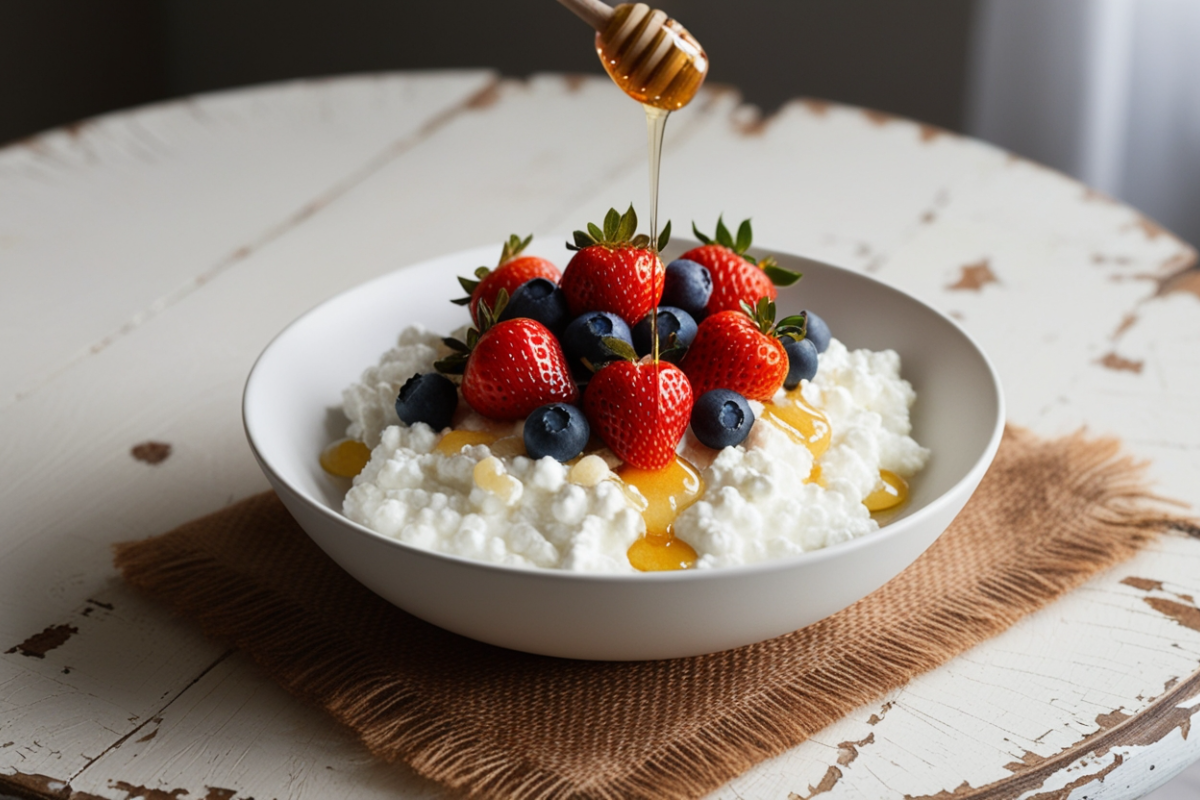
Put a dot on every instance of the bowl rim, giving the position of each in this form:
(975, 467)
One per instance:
(812, 557)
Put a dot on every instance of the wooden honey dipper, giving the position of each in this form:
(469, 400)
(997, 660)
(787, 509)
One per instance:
(650, 56)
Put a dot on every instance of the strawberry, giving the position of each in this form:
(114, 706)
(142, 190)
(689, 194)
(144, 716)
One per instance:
(741, 350)
(736, 277)
(613, 270)
(512, 271)
(640, 409)
(509, 368)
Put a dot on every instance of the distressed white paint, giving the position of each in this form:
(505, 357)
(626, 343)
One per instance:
(316, 187)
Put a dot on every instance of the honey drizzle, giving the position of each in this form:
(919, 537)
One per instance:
(805, 424)
(892, 492)
(655, 61)
(656, 125)
(664, 494)
(454, 441)
(345, 458)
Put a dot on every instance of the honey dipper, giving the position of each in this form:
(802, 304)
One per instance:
(650, 56)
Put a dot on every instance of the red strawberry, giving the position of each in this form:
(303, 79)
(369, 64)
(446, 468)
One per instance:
(736, 277)
(741, 351)
(614, 270)
(510, 368)
(640, 409)
(512, 270)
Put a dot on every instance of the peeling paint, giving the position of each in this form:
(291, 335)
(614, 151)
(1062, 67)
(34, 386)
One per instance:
(755, 125)
(151, 452)
(146, 793)
(1028, 759)
(39, 644)
(75, 130)
(1186, 280)
(1186, 615)
(1115, 362)
(1096, 777)
(828, 781)
(1145, 584)
(848, 751)
(1111, 719)
(1151, 229)
(23, 784)
(883, 710)
(217, 793)
(815, 106)
(1127, 322)
(878, 117)
(959, 791)
(974, 276)
(931, 132)
(1097, 196)
(486, 97)
(1116, 729)
(750, 121)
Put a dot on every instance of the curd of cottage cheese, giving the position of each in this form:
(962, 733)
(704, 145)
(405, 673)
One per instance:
(517, 511)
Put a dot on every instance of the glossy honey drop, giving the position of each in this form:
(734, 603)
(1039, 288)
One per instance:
(661, 555)
(805, 424)
(652, 58)
(666, 492)
(815, 476)
(892, 492)
(454, 441)
(345, 458)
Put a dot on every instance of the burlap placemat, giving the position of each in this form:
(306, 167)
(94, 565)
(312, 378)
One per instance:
(490, 721)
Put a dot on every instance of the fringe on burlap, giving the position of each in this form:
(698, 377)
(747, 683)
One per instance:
(1049, 515)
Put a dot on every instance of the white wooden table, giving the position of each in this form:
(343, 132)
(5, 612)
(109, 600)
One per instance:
(146, 258)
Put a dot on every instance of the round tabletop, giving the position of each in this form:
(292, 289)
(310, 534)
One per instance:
(148, 256)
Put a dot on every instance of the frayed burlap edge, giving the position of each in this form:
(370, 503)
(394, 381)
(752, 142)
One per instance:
(398, 725)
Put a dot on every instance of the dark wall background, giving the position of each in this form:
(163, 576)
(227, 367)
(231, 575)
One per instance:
(62, 60)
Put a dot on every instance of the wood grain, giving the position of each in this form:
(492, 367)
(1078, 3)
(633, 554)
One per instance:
(150, 255)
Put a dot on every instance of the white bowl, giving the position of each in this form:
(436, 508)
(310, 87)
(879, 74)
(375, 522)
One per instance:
(292, 408)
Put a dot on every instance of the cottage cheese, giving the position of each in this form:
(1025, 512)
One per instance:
(756, 505)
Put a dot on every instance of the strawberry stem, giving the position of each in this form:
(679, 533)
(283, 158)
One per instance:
(619, 230)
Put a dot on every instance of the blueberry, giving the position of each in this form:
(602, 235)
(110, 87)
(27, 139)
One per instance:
(430, 398)
(818, 332)
(541, 300)
(688, 286)
(582, 338)
(670, 321)
(557, 430)
(721, 418)
(802, 360)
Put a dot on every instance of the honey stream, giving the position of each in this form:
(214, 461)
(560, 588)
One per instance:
(655, 61)
(656, 125)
